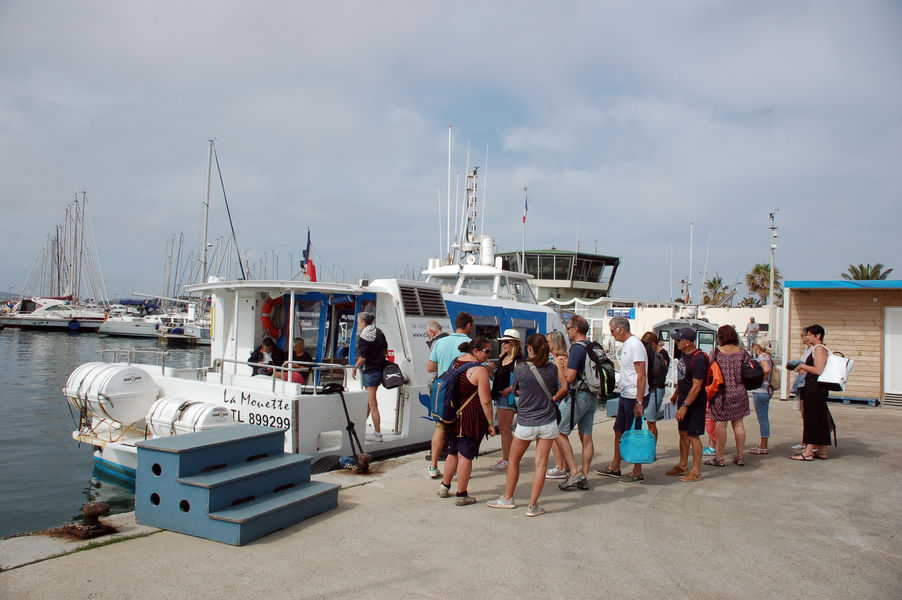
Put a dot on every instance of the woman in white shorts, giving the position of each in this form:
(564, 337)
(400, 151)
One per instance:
(536, 380)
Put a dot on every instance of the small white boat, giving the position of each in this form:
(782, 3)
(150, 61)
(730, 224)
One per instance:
(52, 314)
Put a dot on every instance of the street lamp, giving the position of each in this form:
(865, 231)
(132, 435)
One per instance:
(772, 317)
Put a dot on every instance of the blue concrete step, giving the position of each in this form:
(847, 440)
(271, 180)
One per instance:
(206, 450)
(251, 520)
(251, 479)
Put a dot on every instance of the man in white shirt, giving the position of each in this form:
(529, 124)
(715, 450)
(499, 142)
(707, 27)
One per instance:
(633, 377)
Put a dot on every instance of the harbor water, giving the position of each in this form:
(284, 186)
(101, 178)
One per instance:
(45, 476)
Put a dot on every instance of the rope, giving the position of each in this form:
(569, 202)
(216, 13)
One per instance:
(229, 213)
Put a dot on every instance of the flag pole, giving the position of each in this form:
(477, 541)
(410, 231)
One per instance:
(525, 210)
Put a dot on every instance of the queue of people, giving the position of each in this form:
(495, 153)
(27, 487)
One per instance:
(547, 393)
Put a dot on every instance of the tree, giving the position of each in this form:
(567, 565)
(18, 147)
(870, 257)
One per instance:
(750, 302)
(758, 282)
(715, 290)
(866, 272)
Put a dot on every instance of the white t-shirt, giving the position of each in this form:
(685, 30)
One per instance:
(632, 352)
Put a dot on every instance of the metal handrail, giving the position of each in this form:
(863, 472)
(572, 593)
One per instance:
(316, 368)
(131, 354)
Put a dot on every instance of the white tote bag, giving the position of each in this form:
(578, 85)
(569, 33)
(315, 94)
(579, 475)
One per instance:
(836, 372)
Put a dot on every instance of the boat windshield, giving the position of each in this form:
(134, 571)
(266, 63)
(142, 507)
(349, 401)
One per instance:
(517, 289)
(478, 285)
(447, 283)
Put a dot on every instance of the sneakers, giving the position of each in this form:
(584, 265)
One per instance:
(502, 502)
(434, 473)
(443, 492)
(574, 482)
(374, 437)
(798, 446)
(501, 465)
(691, 476)
(677, 470)
(607, 472)
(556, 473)
(632, 478)
(534, 511)
(709, 451)
(464, 500)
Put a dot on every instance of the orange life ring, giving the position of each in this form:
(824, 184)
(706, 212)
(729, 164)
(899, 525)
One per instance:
(269, 308)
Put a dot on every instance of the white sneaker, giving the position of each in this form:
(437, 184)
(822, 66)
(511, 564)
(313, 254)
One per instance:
(501, 465)
(502, 502)
(374, 437)
(555, 473)
(434, 473)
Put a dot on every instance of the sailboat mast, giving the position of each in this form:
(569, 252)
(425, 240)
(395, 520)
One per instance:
(207, 214)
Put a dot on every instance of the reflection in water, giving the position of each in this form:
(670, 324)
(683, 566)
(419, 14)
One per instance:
(43, 471)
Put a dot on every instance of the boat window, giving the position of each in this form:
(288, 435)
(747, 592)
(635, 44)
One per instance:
(478, 285)
(493, 332)
(57, 307)
(307, 324)
(706, 341)
(521, 291)
(447, 283)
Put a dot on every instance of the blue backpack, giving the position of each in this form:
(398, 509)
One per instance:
(444, 390)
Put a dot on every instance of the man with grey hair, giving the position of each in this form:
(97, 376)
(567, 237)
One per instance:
(633, 395)
(434, 333)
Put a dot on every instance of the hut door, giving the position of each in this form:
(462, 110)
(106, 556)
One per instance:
(892, 356)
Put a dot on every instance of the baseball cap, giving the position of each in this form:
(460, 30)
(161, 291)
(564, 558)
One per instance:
(685, 333)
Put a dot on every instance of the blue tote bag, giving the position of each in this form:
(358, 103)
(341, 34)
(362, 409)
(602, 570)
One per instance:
(637, 446)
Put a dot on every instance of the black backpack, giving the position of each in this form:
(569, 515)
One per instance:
(598, 370)
(655, 367)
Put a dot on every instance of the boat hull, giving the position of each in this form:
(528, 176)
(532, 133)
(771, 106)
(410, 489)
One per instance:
(76, 325)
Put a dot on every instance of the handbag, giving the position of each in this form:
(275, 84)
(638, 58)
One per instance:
(557, 410)
(637, 446)
(716, 378)
(391, 376)
(836, 372)
(751, 372)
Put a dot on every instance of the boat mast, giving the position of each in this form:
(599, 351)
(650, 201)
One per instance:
(207, 214)
(448, 224)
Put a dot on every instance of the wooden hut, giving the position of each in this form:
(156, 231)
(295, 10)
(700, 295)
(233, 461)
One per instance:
(863, 321)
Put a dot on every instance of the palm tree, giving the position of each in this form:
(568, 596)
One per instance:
(715, 290)
(758, 282)
(750, 301)
(866, 272)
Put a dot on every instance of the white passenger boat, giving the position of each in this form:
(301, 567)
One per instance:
(120, 402)
(52, 314)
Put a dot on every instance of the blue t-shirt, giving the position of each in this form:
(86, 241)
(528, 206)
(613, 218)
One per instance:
(444, 351)
(576, 359)
(692, 366)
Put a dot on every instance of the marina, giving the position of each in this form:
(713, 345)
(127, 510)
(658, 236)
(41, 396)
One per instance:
(781, 528)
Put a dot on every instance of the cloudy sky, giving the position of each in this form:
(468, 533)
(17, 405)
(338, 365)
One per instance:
(625, 121)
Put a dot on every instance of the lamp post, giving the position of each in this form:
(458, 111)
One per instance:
(772, 329)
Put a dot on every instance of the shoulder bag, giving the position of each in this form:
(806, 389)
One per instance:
(836, 371)
(557, 410)
(751, 372)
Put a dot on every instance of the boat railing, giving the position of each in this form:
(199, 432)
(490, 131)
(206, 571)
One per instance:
(132, 354)
(321, 373)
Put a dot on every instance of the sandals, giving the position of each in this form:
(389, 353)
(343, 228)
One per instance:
(818, 456)
(738, 462)
(715, 462)
(802, 457)
(757, 450)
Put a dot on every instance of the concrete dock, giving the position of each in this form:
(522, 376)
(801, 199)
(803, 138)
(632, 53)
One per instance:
(772, 529)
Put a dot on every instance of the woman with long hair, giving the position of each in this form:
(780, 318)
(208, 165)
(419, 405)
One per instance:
(536, 381)
(558, 345)
(817, 422)
(731, 402)
(503, 392)
(473, 401)
(761, 396)
(656, 393)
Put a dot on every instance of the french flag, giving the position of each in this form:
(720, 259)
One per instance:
(525, 207)
(308, 266)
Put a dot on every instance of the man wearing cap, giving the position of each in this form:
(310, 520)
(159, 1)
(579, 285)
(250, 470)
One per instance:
(502, 392)
(691, 400)
(444, 351)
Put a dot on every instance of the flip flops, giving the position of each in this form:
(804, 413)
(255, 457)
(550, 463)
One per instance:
(802, 457)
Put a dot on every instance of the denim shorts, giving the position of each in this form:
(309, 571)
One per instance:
(503, 402)
(548, 431)
(584, 417)
(372, 378)
(652, 409)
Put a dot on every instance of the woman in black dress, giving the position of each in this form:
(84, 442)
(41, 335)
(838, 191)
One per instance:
(816, 419)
